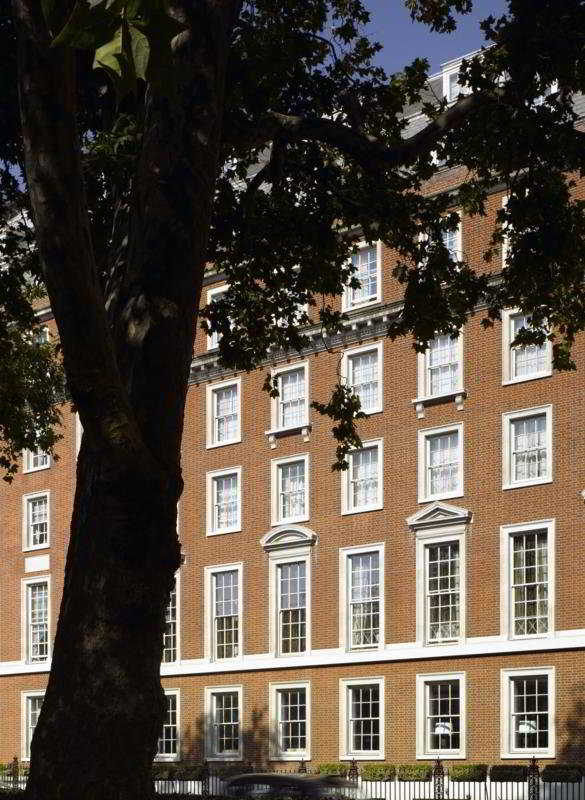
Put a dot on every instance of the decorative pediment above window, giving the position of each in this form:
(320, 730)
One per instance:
(288, 537)
(438, 515)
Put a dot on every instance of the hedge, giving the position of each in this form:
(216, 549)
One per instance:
(468, 772)
(562, 773)
(415, 772)
(508, 772)
(333, 768)
(378, 772)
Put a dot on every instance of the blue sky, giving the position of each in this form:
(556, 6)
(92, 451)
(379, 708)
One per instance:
(404, 40)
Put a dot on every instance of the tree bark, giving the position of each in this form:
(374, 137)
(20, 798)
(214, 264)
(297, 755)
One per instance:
(128, 374)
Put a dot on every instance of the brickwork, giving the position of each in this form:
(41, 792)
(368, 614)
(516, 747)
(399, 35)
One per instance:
(487, 399)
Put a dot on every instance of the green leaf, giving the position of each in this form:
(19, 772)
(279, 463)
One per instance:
(91, 24)
(140, 50)
(109, 55)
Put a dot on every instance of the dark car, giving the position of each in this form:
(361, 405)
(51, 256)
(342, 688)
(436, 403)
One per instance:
(267, 785)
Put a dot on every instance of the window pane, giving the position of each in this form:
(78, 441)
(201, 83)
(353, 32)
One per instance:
(33, 710)
(530, 583)
(363, 376)
(38, 521)
(170, 632)
(291, 502)
(168, 740)
(366, 263)
(292, 719)
(225, 610)
(529, 448)
(225, 423)
(443, 713)
(364, 599)
(442, 358)
(442, 592)
(443, 463)
(363, 478)
(226, 723)
(364, 718)
(38, 621)
(530, 722)
(225, 505)
(292, 400)
(526, 360)
(292, 602)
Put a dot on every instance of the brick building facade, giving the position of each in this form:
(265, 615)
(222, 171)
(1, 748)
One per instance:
(426, 602)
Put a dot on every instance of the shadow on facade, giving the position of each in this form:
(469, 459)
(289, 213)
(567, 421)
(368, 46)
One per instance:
(573, 734)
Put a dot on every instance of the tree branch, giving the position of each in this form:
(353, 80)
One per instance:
(369, 152)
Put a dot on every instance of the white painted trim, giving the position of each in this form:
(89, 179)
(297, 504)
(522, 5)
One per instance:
(275, 559)
(423, 435)
(275, 753)
(346, 305)
(507, 419)
(288, 537)
(178, 617)
(275, 465)
(208, 613)
(378, 347)
(210, 390)
(422, 360)
(424, 538)
(177, 756)
(422, 680)
(208, 694)
(211, 344)
(209, 495)
(346, 507)
(24, 622)
(276, 372)
(506, 678)
(345, 751)
(78, 433)
(26, 548)
(344, 555)
(24, 721)
(506, 534)
(26, 455)
(393, 652)
(507, 377)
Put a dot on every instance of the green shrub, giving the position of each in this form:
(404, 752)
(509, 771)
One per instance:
(333, 768)
(378, 772)
(415, 772)
(468, 772)
(562, 773)
(508, 772)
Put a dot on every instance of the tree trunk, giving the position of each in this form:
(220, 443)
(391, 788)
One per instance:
(104, 706)
(128, 374)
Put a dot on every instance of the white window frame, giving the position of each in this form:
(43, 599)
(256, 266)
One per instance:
(209, 643)
(422, 682)
(426, 537)
(78, 433)
(26, 547)
(344, 576)
(507, 339)
(423, 369)
(210, 415)
(275, 473)
(447, 73)
(276, 752)
(506, 678)
(212, 338)
(25, 622)
(277, 558)
(424, 434)
(208, 693)
(507, 419)
(168, 757)
(177, 619)
(210, 478)
(378, 347)
(346, 506)
(346, 304)
(25, 741)
(275, 426)
(27, 457)
(507, 532)
(345, 750)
